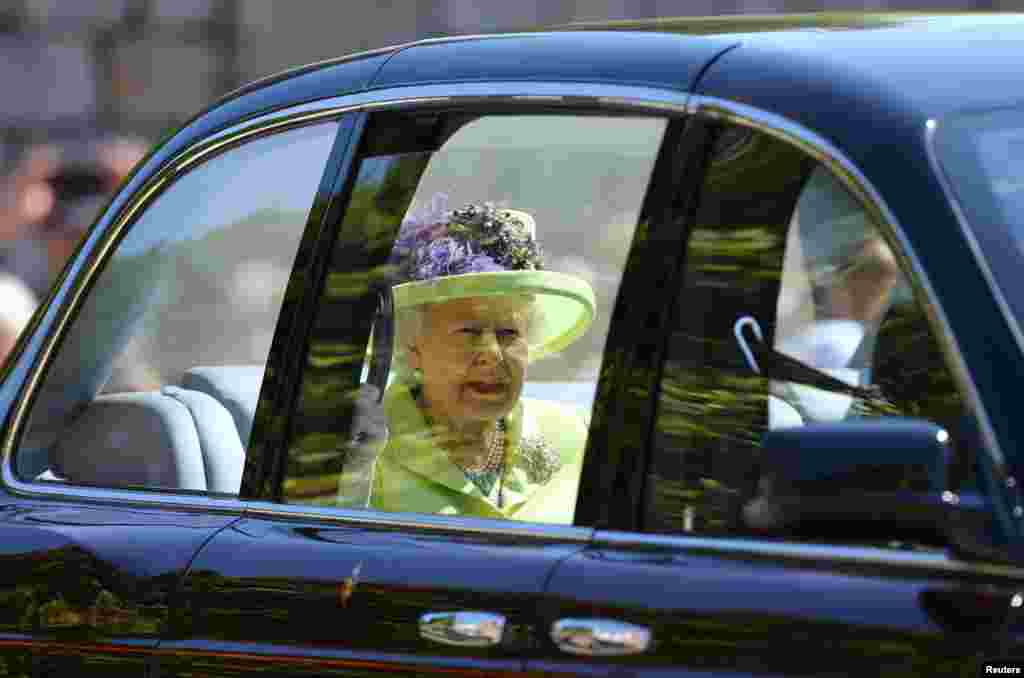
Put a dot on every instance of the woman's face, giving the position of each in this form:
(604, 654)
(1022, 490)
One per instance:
(472, 354)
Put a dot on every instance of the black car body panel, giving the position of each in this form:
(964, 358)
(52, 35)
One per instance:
(343, 597)
(740, 614)
(92, 598)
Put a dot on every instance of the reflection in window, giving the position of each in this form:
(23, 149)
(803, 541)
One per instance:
(156, 383)
(779, 242)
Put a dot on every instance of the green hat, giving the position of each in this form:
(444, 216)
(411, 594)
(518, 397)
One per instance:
(484, 251)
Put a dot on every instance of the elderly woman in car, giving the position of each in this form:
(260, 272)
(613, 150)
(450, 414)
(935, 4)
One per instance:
(473, 308)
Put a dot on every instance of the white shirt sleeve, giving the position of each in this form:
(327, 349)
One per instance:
(828, 346)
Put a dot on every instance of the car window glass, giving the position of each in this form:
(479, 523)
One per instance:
(982, 154)
(155, 383)
(794, 313)
(497, 242)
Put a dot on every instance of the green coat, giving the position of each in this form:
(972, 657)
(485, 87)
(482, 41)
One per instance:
(543, 465)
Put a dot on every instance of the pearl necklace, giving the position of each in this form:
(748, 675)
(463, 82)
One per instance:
(495, 452)
(495, 445)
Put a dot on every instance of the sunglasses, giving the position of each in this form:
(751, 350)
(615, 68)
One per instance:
(79, 193)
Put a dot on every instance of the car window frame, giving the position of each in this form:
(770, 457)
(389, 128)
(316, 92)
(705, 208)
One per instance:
(534, 97)
(91, 259)
(279, 391)
(596, 481)
(1004, 499)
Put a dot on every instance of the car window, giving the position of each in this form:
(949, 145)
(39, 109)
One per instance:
(155, 382)
(460, 334)
(794, 313)
(982, 155)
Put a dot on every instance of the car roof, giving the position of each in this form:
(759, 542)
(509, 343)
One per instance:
(934, 63)
(893, 55)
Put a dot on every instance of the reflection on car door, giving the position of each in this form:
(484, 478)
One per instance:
(89, 595)
(309, 596)
(728, 607)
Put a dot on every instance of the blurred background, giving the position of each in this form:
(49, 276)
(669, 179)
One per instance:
(91, 84)
(144, 66)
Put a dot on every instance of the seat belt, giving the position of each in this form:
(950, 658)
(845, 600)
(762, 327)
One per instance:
(772, 364)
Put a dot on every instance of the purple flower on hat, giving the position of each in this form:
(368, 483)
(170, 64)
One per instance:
(475, 263)
(448, 256)
(420, 226)
(434, 241)
(428, 221)
(436, 258)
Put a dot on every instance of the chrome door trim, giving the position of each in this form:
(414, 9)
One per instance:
(748, 548)
(419, 522)
(611, 97)
(851, 177)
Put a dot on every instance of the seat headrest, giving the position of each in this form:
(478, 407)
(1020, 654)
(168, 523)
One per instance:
(132, 439)
(237, 387)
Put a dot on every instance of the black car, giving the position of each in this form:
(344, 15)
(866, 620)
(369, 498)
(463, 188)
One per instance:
(800, 381)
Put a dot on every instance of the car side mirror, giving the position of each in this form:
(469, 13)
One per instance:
(862, 480)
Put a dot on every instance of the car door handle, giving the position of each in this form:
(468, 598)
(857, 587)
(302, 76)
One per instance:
(463, 628)
(599, 637)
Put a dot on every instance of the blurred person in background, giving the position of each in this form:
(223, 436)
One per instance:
(47, 202)
(17, 304)
(52, 197)
(25, 201)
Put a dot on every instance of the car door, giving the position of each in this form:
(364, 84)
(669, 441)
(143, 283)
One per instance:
(116, 468)
(795, 312)
(316, 577)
